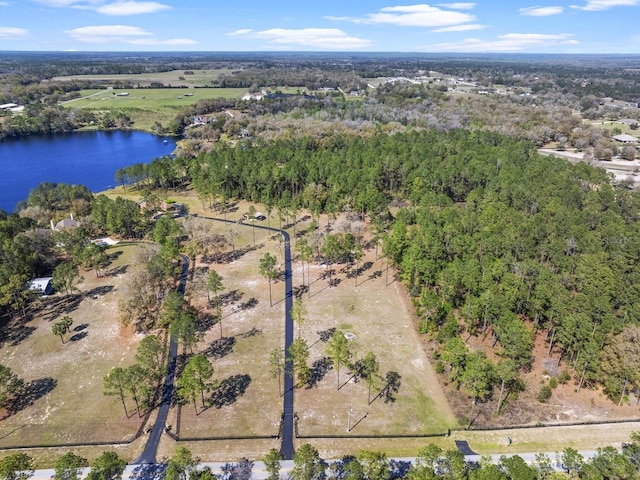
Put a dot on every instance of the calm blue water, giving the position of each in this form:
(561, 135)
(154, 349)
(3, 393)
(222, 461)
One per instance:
(87, 158)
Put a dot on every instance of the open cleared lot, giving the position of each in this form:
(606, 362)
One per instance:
(65, 380)
(173, 77)
(149, 98)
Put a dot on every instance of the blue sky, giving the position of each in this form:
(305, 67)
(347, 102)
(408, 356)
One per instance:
(582, 26)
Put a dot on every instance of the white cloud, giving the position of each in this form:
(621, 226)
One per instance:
(122, 34)
(239, 33)
(460, 28)
(70, 3)
(511, 42)
(458, 5)
(329, 38)
(339, 19)
(421, 15)
(4, 4)
(131, 8)
(106, 33)
(597, 5)
(116, 8)
(541, 11)
(12, 33)
(170, 42)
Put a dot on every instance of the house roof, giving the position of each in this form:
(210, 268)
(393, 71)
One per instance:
(42, 284)
(66, 223)
(624, 138)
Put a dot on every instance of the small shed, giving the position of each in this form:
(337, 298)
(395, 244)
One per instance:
(43, 285)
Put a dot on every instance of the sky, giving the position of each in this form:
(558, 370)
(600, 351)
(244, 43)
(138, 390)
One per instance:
(577, 26)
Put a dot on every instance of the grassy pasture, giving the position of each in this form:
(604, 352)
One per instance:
(66, 379)
(173, 77)
(149, 98)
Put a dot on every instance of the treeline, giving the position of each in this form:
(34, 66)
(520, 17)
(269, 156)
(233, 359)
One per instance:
(41, 119)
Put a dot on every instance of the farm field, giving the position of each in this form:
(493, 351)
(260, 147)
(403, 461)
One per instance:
(174, 77)
(149, 98)
(146, 106)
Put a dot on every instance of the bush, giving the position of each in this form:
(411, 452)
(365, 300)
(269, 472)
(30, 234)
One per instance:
(545, 394)
(564, 377)
(439, 367)
(553, 383)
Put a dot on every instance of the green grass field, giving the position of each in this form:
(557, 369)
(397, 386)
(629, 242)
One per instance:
(174, 77)
(149, 98)
(148, 105)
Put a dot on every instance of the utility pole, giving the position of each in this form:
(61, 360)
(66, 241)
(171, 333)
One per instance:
(349, 419)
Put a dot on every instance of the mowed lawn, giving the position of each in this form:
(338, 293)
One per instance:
(66, 380)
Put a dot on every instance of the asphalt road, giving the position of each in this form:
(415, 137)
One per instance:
(258, 472)
(148, 455)
(288, 421)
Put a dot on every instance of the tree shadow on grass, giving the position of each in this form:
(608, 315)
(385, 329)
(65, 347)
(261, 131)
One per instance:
(115, 271)
(228, 391)
(61, 306)
(251, 333)
(32, 392)
(249, 304)
(390, 389)
(324, 336)
(206, 321)
(318, 371)
(79, 336)
(221, 347)
(15, 333)
(232, 256)
(231, 296)
(99, 291)
(300, 290)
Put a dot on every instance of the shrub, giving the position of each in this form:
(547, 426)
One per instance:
(545, 394)
(439, 367)
(553, 383)
(564, 377)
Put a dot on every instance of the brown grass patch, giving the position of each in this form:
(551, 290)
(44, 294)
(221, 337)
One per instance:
(70, 407)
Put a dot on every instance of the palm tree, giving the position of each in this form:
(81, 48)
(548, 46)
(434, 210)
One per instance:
(268, 270)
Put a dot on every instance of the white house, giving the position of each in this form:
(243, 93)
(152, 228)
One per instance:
(43, 285)
(624, 138)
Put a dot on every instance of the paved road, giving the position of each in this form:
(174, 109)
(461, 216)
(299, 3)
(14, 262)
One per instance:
(156, 471)
(148, 455)
(287, 434)
(288, 420)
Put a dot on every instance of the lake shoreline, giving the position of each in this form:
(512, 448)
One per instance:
(89, 158)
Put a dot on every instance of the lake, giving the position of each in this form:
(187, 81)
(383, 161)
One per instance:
(87, 158)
